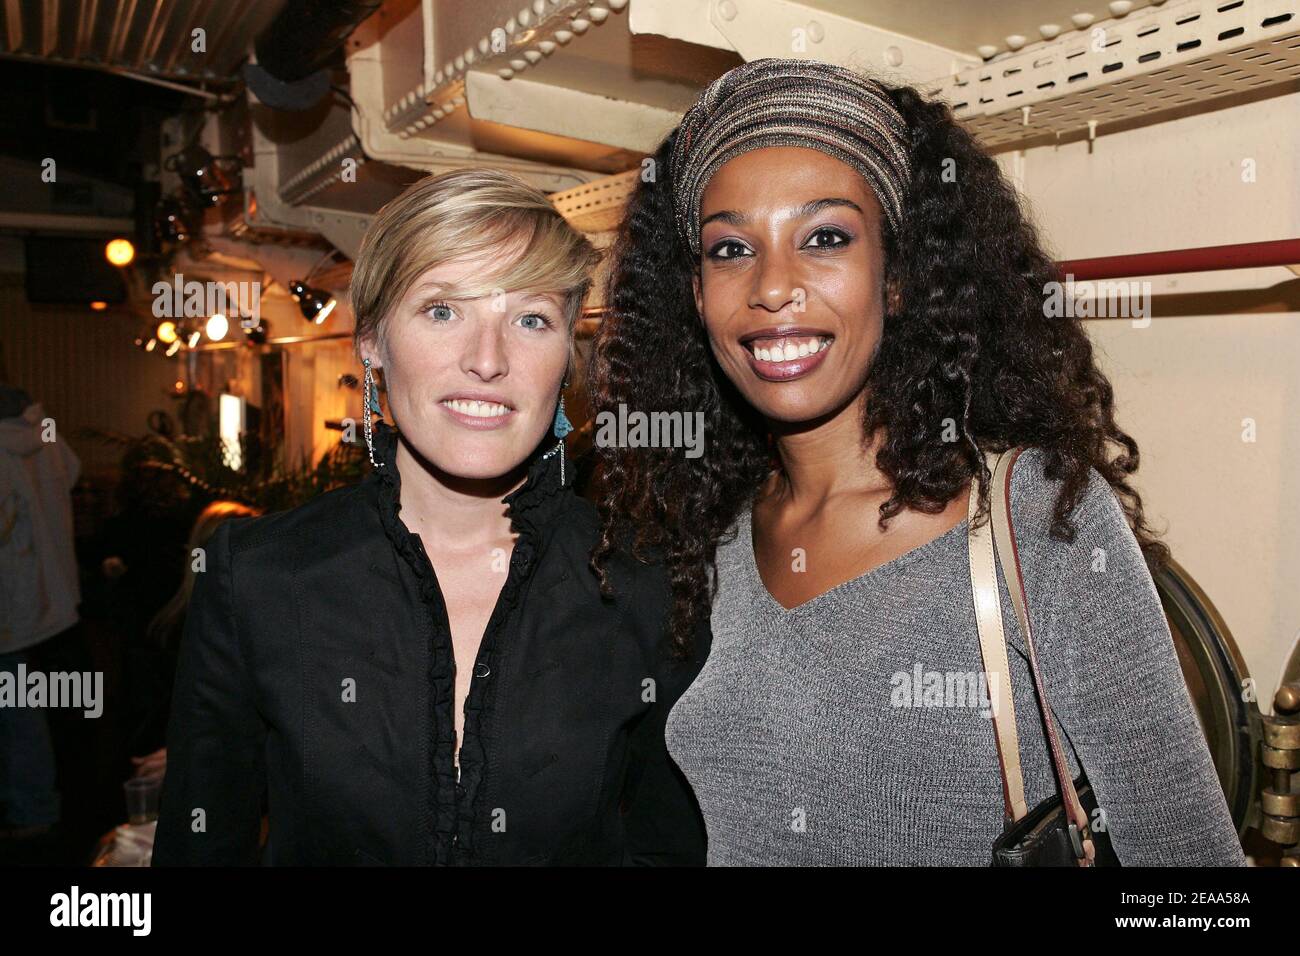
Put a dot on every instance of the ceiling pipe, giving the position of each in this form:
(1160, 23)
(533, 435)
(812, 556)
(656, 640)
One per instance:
(1246, 255)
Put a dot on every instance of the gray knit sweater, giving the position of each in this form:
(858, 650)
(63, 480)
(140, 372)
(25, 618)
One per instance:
(853, 729)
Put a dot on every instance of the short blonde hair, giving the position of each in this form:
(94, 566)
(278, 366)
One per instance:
(458, 215)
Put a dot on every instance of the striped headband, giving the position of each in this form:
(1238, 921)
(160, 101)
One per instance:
(790, 102)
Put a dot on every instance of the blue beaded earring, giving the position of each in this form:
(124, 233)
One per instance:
(561, 427)
(370, 405)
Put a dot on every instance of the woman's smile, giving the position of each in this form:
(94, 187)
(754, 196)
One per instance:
(478, 412)
(785, 353)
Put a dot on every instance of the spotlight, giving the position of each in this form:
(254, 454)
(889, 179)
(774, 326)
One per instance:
(119, 252)
(166, 332)
(315, 304)
(257, 334)
(99, 305)
(203, 175)
(172, 221)
(217, 327)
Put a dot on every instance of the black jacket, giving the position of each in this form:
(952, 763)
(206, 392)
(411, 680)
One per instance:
(316, 668)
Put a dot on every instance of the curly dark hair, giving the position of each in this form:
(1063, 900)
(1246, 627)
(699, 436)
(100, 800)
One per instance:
(968, 340)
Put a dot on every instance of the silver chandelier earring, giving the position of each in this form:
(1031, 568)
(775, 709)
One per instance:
(561, 427)
(370, 404)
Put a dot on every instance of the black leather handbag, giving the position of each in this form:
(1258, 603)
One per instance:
(1045, 837)
(1057, 831)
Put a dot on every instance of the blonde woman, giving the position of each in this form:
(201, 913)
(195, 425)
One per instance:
(421, 669)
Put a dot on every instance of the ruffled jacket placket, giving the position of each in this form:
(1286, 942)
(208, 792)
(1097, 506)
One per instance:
(453, 810)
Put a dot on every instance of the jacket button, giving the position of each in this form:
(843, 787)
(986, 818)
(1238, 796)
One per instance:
(481, 669)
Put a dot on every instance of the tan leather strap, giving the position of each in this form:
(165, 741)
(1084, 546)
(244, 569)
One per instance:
(1004, 537)
(993, 650)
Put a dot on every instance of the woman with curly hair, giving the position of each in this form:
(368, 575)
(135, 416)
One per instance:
(834, 274)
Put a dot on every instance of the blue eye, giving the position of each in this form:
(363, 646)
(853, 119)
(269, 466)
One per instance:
(440, 312)
(535, 321)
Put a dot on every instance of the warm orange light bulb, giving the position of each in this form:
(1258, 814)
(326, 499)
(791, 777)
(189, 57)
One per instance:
(119, 252)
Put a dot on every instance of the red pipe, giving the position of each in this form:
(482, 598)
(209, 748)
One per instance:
(1246, 255)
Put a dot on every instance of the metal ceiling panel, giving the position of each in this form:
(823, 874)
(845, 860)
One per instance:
(176, 39)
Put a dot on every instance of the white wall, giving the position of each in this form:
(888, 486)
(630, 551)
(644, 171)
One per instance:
(1185, 383)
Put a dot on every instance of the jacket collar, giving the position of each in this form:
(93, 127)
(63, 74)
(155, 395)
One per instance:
(532, 507)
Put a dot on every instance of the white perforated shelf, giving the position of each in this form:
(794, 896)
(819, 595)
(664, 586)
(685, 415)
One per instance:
(1166, 58)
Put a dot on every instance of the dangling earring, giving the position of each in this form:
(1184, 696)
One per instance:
(560, 428)
(370, 404)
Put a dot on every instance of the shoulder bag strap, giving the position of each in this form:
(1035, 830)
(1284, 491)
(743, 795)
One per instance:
(1009, 557)
(993, 650)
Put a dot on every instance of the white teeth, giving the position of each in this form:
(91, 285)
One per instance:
(476, 409)
(790, 350)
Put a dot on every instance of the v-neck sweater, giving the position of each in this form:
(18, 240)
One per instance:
(853, 729)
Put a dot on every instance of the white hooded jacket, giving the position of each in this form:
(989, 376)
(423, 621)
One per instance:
(39, 590)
